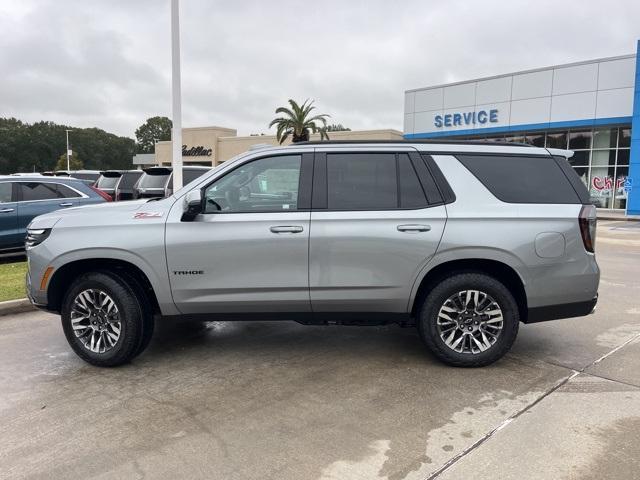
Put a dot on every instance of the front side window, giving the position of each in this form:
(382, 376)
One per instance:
(5, 192)
(38, 191)
(265, 185)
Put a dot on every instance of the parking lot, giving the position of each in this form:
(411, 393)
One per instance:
(278, 400)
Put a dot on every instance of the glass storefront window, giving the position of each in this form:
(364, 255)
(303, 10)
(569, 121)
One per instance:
(580, 140)
(557, 140)
(605, 138)
(518, 139)
(623, 157)
(620, 199)
(603, 158)
(535, 139)
(601, 186)
(581, 157)
(624, 138)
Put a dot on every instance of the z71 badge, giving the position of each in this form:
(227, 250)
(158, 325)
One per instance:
(142, 215)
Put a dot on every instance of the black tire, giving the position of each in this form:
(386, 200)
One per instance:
(148, 323)
(450, 286)
(132, 315)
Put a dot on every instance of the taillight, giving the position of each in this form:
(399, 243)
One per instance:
(587, 221)
(104, 195)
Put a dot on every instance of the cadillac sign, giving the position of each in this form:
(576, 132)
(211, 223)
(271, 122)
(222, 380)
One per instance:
(198, 151)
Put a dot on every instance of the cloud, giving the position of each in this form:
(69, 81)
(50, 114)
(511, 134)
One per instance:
(107, 64)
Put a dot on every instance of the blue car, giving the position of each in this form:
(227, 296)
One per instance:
(24, 197)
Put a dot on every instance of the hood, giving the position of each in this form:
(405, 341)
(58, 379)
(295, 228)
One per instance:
(108, 213)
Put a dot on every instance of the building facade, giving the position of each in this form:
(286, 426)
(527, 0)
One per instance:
(592, 108)
(211, 146)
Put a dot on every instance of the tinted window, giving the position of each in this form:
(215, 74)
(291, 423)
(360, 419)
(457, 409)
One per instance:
(153, 181)
(411, 193)
(519, 179)
(66, 192)
(129, 179)
(38, 191)
(107, 182)
(361, 181)
(5, 191)
(190, 175)
(267, 184)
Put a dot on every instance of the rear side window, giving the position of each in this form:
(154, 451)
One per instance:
(521, 179)
(38, 191)
(66, 192)
(362, 181)
(5, 192)
(411, 193)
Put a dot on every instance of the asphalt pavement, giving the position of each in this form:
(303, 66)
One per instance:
(278, 400)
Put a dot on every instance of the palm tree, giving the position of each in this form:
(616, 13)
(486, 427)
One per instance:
(297, 122)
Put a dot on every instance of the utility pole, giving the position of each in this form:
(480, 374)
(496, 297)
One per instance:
(176, 114)
(68, 152)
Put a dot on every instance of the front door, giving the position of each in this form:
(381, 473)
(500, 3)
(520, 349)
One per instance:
(248, 251)
(377, 220)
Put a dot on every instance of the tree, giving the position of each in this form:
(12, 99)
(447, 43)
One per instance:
(298, 123)
(337, 127)
(155, 129)
(74, 162)
(35, 147)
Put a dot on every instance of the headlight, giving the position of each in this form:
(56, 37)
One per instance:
(35, 236)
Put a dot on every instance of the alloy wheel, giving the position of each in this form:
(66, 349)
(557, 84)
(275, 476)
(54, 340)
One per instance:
(95, 320)
(470, 322)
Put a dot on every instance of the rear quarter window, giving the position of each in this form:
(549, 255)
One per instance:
(522, 179)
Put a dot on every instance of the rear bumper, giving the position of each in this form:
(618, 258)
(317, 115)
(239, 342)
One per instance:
(564, 310)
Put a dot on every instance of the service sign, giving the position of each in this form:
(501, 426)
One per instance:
(471, 119)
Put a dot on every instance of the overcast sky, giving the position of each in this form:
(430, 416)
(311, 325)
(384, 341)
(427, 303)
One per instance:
(108, 63)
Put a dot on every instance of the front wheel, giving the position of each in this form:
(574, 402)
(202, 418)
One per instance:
(469, 320)
(103, 319)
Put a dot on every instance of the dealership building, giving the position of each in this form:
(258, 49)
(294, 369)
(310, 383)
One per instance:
(591, 107)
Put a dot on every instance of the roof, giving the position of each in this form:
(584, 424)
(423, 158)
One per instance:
(414, 142)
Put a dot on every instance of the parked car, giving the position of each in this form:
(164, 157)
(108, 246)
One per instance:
(462, 240)
(124, 188)
(23, 198)
(91, 175)
(157, 182)
(108, 181)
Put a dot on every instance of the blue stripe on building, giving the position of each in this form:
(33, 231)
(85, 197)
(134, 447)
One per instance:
(633, 201)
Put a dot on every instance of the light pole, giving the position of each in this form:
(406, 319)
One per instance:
(176, 134)
(68, 152)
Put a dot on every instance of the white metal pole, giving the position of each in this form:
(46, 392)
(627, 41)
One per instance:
(176, 133)
(68, 160)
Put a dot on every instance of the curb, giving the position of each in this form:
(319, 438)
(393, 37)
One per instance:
(11, 307)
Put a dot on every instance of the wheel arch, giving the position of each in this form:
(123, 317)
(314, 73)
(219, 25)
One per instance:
(498, 269)
(64, 275)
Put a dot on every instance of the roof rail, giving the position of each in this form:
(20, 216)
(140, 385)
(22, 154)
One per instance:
(410, 141)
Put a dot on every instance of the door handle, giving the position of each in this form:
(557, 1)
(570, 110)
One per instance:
(413, 228)
(6, 210)
(66, 204)
(286, 229)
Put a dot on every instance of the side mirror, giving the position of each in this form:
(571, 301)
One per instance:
(192, 205)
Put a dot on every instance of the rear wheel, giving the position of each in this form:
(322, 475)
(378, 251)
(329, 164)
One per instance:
(469, 320)
(103, 319)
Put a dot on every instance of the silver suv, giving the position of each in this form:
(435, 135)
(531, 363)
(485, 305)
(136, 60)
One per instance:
(462, 240)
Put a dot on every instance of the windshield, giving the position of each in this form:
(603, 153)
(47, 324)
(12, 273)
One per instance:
(153, 181)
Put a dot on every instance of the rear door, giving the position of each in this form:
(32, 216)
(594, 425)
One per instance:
(10, 236)
(377, 219)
